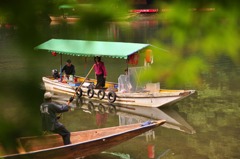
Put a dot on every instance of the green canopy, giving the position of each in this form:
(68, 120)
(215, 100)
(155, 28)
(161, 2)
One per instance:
(71, 6)
(66, 6)
(91, 48)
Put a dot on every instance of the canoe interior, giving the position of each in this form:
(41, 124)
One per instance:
(50, 141)
(84, 143)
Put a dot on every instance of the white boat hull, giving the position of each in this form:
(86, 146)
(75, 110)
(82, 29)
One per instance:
(147, 99)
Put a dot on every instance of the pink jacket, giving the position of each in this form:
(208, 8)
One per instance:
(100, 69)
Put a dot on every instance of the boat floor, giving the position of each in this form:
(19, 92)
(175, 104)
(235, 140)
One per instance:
(110, 86)
(55, 140)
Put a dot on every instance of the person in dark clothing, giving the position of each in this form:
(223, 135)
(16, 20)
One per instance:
(100, 72)
(69, 68)
(49, 116)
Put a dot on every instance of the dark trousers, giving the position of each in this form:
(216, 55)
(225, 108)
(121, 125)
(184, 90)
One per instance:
(64, 133)
(100, 81)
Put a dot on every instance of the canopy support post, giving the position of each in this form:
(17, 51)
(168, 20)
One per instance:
(60, 66)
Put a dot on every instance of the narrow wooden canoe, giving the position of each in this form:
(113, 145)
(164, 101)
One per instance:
(64, 19)
(84, 143)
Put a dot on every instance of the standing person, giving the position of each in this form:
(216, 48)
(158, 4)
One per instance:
(50, 121)
(69, 68)
(100, 72)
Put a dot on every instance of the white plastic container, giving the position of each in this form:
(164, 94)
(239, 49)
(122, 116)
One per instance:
(71, 78)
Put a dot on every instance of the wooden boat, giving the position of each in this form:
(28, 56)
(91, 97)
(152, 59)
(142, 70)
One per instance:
(69, 12)
(150, 96)
(62, 18)
(84, 143)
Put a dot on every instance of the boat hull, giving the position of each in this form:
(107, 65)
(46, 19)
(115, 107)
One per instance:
(92, 145)
(147, 99)
(64, 19)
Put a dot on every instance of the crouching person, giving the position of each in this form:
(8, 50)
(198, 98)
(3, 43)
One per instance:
(49, 111)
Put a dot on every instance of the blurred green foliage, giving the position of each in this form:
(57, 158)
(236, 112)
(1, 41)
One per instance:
(197, 32)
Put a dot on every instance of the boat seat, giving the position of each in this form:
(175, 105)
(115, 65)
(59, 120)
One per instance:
(20, 148)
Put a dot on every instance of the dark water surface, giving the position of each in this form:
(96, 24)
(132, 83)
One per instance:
(203, 126)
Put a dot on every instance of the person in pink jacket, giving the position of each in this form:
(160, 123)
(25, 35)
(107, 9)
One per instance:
(100, 72)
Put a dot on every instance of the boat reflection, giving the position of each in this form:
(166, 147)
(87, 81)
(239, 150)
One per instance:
(128, 114)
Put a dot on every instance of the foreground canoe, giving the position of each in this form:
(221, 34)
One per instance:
(84, 143)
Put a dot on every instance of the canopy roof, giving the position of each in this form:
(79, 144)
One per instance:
(91, 48)
(71, 6)
(66, 6)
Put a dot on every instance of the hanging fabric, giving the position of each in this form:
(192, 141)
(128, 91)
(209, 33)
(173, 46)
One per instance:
(133, 59)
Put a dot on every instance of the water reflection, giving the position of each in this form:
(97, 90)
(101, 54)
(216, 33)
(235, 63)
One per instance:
(141, 29)
(127, 114)
(101, 115)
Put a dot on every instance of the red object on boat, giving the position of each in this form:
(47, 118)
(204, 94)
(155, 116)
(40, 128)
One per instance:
(144, 10)
(75, 79)
(133, 59)
(54, 53)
